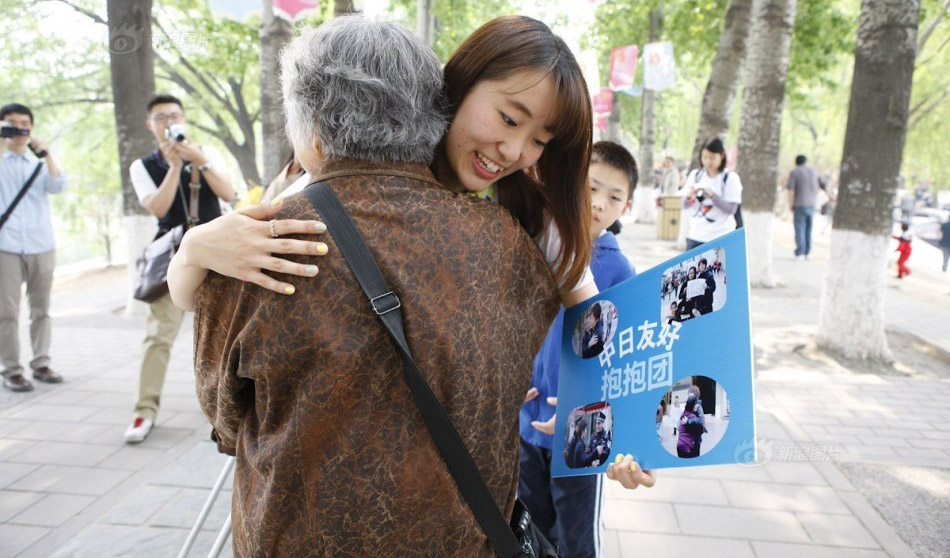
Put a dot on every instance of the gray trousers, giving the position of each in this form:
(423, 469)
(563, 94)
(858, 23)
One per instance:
(36, 270)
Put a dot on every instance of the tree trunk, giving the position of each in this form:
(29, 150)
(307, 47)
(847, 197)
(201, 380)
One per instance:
(133, 84)
(343, 7)
(851, 316)
(613, 121)
(132, 67)
(721, 87)
(275, 33)
(425, 21)
(760, 128)
(645, 207)
(247, 161)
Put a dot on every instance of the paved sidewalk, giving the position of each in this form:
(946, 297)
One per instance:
(830, 439)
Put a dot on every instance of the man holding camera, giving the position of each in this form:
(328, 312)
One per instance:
(162, 182)
(27, 246)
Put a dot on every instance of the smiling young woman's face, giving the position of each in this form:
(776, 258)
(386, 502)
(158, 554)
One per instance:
(500, 127)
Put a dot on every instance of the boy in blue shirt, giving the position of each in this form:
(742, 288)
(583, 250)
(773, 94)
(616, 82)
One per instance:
(568, 510)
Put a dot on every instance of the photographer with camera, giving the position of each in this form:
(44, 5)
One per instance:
(180, 183)
(27, 246)
(713, 195)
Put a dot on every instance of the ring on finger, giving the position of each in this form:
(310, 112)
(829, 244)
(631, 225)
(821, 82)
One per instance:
(271, 225)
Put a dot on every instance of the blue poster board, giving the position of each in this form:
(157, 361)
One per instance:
(660, 367)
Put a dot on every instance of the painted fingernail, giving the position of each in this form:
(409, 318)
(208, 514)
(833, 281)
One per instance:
(311, 270)
(319, 227)
(619, 458)
(290, 290)
(322, 249)
(277, 202)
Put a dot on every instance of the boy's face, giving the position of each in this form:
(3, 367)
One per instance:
(609, 189)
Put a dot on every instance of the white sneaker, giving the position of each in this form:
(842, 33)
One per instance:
(138, 430)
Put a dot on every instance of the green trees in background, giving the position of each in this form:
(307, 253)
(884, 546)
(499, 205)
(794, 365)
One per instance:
(215, 65)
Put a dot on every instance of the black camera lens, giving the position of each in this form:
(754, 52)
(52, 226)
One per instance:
(12, 132)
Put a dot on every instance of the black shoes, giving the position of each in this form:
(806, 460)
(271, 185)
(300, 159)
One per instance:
(46, 375)
(17, 382)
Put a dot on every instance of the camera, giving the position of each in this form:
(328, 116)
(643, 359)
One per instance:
(175, 132)
(700, 195)
(7, 131)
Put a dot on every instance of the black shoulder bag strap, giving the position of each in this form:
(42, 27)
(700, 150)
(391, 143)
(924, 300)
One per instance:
(20, 194)
(387, 306)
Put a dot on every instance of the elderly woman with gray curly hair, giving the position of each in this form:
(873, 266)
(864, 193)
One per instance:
(333, 459)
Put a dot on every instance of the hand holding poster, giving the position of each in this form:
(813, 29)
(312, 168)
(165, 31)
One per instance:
(669, 383)
(696, 287)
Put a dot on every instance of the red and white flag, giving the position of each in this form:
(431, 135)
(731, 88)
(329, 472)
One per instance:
(604, 102)
(292, 10)
(623, 67)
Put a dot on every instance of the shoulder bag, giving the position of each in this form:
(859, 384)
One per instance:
(20, 194)
(152, 265)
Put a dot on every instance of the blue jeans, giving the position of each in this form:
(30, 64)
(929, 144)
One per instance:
(804, 216)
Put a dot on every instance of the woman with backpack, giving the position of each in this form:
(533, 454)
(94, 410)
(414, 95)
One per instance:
(713, 195)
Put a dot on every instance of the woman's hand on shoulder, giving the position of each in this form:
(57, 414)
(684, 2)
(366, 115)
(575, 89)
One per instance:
(628, 473)
(245, 243)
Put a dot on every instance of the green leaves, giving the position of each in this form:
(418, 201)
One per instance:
(454, 19)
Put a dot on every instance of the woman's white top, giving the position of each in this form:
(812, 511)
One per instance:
(707, 221)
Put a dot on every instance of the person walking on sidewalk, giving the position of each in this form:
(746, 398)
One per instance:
(904, 248)
(803, 185)
(945, 243)
(161, 182)
(27, 245)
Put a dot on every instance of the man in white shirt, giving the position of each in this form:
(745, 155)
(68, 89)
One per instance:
(27, 246)
(161, 182)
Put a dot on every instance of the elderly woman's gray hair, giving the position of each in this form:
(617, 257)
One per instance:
(368, 90)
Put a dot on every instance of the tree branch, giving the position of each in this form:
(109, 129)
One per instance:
(73, 101)
(226, 138)
(244, 121)
(86, 12)
(933, 25)
(922, 112)
(807, 124)
(920, 63)
(184, 62)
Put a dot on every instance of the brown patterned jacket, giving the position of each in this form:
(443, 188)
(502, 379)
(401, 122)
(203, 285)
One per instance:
(307, 390)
